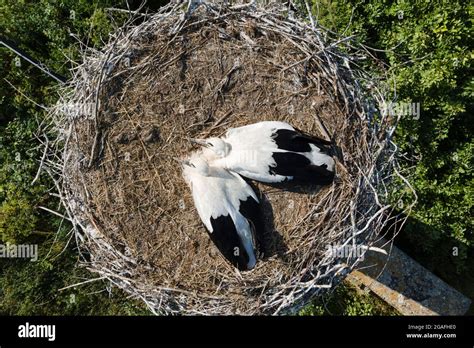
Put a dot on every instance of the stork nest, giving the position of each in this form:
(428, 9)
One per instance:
(190, 71)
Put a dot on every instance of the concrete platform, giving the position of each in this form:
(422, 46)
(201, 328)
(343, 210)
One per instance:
(406, 285)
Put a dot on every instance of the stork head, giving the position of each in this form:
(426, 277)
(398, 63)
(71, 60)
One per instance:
(218, 146)
(196, 165)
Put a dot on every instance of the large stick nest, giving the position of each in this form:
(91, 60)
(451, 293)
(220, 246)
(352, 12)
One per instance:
(195, 72)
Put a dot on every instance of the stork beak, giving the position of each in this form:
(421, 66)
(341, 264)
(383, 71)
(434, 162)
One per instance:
(201, 142)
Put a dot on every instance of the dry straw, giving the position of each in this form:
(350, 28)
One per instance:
(194, 70)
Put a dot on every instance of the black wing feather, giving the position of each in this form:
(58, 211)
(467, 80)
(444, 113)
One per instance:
(252, 211)
(297, 141)
(300, 168)
(226, 238)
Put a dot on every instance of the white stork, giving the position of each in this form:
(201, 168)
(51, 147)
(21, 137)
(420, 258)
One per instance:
(271, 152)
(229, 209)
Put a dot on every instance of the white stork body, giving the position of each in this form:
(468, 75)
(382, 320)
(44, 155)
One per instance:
(272, 152)
(228, 207)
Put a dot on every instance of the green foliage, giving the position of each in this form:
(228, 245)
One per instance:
(17, 218)
(43, 30)
(33, 288)
(312, 309)
(348, 301)
(428, 48)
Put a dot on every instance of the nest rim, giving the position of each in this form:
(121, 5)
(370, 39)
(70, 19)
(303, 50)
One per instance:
(352, 88)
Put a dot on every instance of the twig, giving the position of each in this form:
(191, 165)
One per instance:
(82, 283)
(45, 152)
(54, 212)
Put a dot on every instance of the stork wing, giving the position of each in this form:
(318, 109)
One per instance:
(230, 210)
(259, 128)
(273, 151)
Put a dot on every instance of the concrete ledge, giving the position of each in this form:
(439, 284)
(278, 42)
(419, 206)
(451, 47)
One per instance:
(406, 285)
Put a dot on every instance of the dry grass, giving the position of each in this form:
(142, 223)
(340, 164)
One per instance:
(127, 113)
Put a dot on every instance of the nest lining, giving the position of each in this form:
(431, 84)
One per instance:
(195, 73)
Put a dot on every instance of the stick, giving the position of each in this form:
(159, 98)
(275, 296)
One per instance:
(82, 283)
(41, 163)
(54, 212)
(13, 47)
